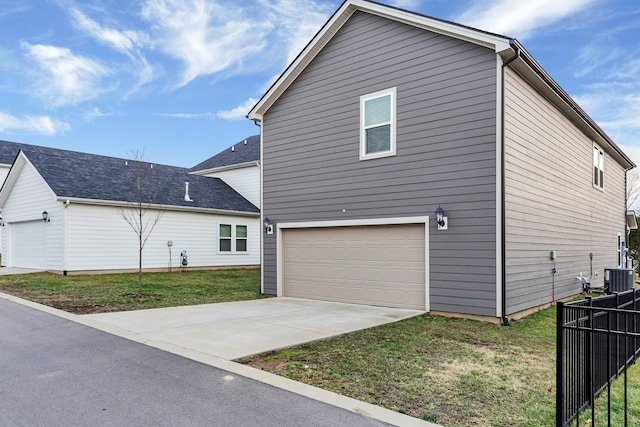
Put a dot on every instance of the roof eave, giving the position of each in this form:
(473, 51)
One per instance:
(493, 41)
(122, 204)
(225, 168)
(533, 72)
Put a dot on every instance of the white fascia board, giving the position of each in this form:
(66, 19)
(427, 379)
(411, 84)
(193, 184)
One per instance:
(21, 161)
(155, 206)
(340, 17)
(632, 221)
(493, 41)
(226, 168)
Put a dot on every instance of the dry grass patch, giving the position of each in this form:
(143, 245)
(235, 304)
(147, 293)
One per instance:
(448, 371)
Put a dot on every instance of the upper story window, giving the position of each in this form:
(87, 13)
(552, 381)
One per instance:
(598, 167)
(378, 124)
(232, 238)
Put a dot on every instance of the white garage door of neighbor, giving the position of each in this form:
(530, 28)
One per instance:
(382, 265)
(28, 248)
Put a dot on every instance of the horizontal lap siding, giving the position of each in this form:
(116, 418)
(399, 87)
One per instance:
(245, 181)
(99, 238)
(445, 149)
(551, 203)
(29, 197)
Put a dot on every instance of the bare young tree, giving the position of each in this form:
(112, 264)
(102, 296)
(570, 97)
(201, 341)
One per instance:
(138, 214)
(633, 188)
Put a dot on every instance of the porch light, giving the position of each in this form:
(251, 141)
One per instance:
(45, 216)
(1, 222)
(441, 220)
(268, 227)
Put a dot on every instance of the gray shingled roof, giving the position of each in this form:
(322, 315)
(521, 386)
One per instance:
(245, 151)
(89, 176)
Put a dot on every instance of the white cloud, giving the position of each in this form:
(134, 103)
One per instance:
(239, 112)
(124, 41)
(44, 125)
(65, 78)
(406, 4)
(616, 109)
(127, 42)
(95, 113)
(518, 18)
(206, 36)
(16, 6)
(297, 21)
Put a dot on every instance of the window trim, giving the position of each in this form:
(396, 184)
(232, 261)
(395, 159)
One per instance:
(234, 239)
(620, 249)
(597, 169)
(363, 135)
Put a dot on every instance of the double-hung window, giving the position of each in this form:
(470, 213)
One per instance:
(598, 167)
(232, 238)
(378, 124)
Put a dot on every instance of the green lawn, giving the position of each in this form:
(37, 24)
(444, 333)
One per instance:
(448, 371)
(101, 293)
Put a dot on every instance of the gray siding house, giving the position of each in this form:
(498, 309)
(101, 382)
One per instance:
(388, 115)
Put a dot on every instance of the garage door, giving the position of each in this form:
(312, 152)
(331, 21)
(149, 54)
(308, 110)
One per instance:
(373, 265)
(28, 248)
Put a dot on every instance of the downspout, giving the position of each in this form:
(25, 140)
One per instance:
(503, 208)
(262, 231)
(64, 237)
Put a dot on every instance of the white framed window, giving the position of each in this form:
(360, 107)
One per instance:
(598, 167)
(378, 124)
(232, 238)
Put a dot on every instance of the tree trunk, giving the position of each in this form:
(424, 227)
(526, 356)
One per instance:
(140, 246)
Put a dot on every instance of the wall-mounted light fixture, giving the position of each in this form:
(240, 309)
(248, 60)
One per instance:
(1, 222)
(268, 227)
(45, 216)
(441, 219)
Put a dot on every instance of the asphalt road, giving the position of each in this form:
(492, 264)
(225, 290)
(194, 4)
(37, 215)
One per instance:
(54, 372)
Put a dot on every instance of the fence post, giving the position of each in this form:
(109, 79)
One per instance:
(588, 353)
(559, 364)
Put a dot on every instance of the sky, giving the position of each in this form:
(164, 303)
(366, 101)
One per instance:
(176, 78)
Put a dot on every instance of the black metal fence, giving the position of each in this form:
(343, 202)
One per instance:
(597, 339)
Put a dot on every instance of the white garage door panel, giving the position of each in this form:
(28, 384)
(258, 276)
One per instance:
(28, 248)
(376, 265)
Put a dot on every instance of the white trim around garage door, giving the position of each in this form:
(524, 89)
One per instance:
(353, 223)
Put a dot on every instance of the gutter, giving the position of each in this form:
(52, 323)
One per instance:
(226, 168)
(537, 69)
(503, 207)
(157, 206)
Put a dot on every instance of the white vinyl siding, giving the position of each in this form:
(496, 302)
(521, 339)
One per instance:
(598, 167)
(245, 181)
(196, 233)
(29, 197)
(378, 124)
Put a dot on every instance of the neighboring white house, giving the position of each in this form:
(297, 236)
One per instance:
(83, 195)
(238, 166)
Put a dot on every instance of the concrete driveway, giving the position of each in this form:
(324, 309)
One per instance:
(212, 334)
(237, 329)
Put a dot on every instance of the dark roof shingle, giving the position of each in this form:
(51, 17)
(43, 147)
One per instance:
(89, 176)
(245, 151)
